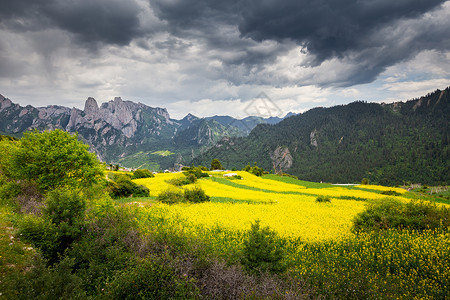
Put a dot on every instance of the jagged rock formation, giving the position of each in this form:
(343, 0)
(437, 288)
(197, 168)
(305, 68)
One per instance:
(119, 129)
(282, 159)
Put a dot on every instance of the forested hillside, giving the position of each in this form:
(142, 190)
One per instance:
(387, 143)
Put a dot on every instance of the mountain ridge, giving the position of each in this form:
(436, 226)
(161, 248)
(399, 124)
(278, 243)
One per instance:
(388, 143)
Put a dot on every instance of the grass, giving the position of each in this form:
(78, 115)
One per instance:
(163, 153)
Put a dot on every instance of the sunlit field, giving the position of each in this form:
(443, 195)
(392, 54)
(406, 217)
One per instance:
(289, 209)
(319, 239)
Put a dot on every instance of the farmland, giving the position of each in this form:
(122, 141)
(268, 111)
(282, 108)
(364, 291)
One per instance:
(319, 241)
(78, 231)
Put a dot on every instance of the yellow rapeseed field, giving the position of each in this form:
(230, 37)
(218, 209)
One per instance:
(289, 209)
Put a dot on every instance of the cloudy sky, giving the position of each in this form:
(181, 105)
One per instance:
(212, 57)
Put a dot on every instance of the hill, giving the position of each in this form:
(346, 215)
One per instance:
(387, 143)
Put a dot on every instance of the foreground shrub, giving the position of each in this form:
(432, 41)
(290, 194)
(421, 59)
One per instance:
(195, 195)
(263, 251)
(322, 198)
(41, 282)
(60, 225)
(52, 159)
(392, 213)
(150, 278)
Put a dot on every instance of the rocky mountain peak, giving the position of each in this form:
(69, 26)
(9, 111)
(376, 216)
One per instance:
(91, 106)
(4, 103)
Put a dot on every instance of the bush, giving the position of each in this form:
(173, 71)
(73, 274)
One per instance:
(263, 251)
(151, 278)
(322, 198)
(195, 195)
(392, 213)
(187, 179)
(60, 225)
(53, 159)
(391, 193)
(255, 170)
(122, 186)
(216, 164)
(196, 171)
(171, 197)
(142, 173)
(41, 282)
(365, 181)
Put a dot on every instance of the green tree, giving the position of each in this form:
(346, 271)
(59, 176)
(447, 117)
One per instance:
(53, 159)
(216, 164)
(263, 251)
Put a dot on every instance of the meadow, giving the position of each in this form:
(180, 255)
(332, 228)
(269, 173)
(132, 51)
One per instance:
(321, 247)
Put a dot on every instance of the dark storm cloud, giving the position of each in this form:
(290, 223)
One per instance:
(325, 29)
(328, 28)
(93, 21)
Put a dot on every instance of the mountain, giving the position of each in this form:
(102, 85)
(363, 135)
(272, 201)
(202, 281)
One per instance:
(132, 134)
(387, 143)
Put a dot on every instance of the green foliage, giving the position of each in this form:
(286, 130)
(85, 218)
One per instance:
(41, 282)
(121, 186)
(187, 179)
(389, 144)
(53, 159)
(195, 195)
(151, 278)
(42, 234)
(255, 170)
(171, 197)
(142, 173)
(60, 225)
(263, 251)
(392, 213)
(322, 198)
(390, 193)
(196, 171)
(365, 181)
(216, 164)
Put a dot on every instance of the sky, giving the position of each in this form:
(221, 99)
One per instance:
(215, 57)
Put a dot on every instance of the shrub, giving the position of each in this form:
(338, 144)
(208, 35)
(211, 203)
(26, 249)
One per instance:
(196, 171)
(216, 164)
(187, 179)
(263, 251)
(151, 278)
(53, 159)
(365, 181)
(142, 173)
(195, 195)
(41, 282)
(255, 170)
(122, 186)
(392, 213)
(171, 196)
(60, 225)
(322, 198)
(391, 193)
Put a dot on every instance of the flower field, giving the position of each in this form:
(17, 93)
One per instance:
(289, 209)
(319, 242)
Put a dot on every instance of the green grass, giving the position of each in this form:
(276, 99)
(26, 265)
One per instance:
(163, 153)
(150, 199)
